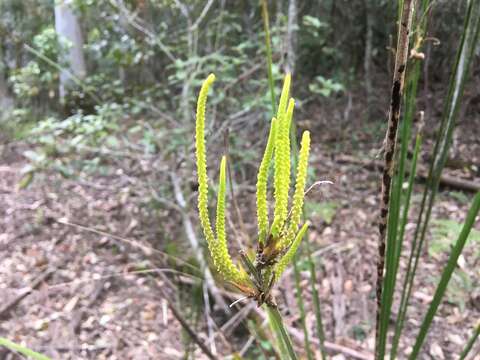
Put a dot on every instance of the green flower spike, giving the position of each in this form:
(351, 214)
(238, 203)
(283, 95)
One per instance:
(262, 180)
(282, 159)
(299, 195)
(217, 246)
(220, 254)
(277, 241)
(202, 161)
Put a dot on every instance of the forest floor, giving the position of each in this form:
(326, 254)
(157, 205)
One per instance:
(76, 292)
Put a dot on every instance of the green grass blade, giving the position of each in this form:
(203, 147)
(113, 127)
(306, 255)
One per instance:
(289, 255)
(283, 338)
(61, 69)
(452, 104)
(390, 276)
(458, 78)
(301, 308)
(268, 50)
(446, 275)
(22, 350)
(470, 343)
(401, 232)
(316, 302)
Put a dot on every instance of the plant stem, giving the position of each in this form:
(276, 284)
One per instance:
(301, 307)
(283, 339)
(458, 77)
(268, 50)
(390, 144)
(470, 343)
(402, 308)
(316, 302)
(22, 350)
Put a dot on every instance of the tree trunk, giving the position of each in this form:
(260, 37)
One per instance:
(292, 27)
(6, 102)
(67, 27)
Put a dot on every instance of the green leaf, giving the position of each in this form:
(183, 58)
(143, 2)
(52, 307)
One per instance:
(22, 350)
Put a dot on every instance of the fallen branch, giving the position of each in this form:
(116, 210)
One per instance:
(7, 308)
(78, 317)
(422, 172)
(190, 331)
(177, 314)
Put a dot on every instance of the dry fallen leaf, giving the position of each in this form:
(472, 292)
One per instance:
(348, 287)
(436, 351)
(425, 298)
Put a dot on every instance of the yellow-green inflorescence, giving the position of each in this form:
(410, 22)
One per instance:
(262, 181)
(279, 239)
(217, 245)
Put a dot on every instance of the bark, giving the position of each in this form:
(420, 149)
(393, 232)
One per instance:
(6, 102)
(67, 26)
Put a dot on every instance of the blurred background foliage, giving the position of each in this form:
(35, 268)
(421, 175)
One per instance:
(145, 59)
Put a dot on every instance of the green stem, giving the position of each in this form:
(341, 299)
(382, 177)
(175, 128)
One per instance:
(276, 323)
(470, 32)
(316, 301)
(470, 343)
(405, 295)
(301, 307)
(22, 350)
(268, 50)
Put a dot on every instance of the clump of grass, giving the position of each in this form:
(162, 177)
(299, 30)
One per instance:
(394, 218)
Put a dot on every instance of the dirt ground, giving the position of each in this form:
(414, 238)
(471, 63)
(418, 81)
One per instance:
(98, 296)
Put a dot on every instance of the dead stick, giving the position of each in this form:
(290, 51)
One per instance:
(390, 142)
(190, 331)
(5, 310)
(446, 180)
(181, 319)
(77, 320)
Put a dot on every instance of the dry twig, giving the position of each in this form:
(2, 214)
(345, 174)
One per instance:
(5, 310)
